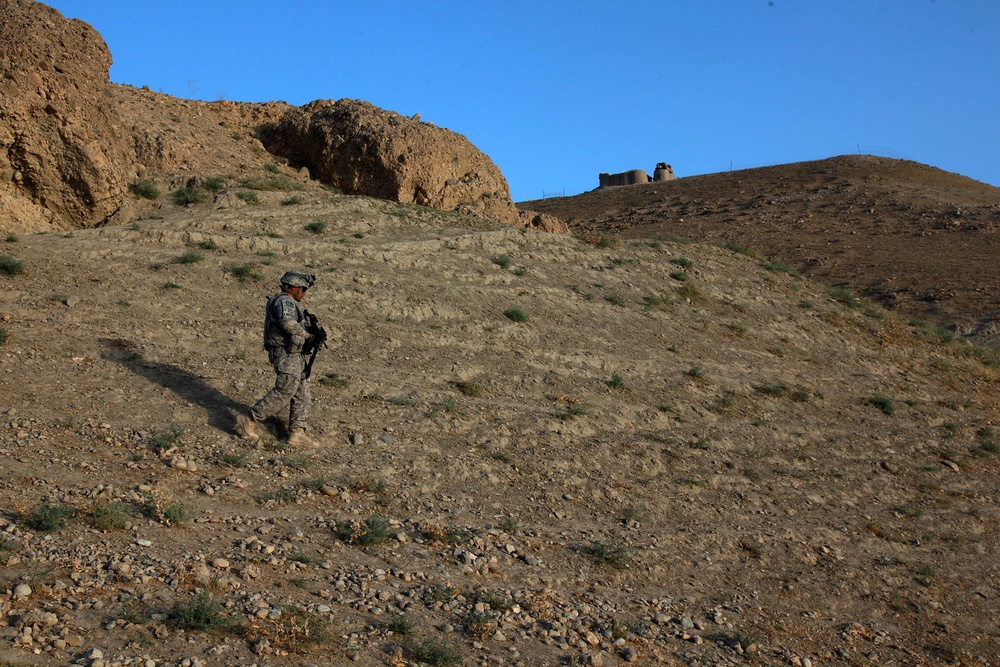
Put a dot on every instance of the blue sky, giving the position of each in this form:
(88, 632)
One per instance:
(556, 92)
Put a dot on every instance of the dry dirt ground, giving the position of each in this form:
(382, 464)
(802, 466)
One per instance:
(535, 451)
(919, 240)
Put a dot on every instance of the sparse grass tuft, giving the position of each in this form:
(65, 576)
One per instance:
(334, 380)
(316, 227)
(772, 389)
(573, 411)
(401, 624)
(234, 459)
(201, 612)
(3, 335)
(682, 262)
(174, 514)
(516, 315)
(10, 266)
(145, 189)
(616, 382)
(189, 194)
(468, 388)
(779, 267)
(190, 257)
(844, 296)
(243, 272)
(370, 532)
(503, 261)
(248, 196)
(614, 553)
(168, 438)
(883, 403)
(435, 652)
(48, 517)
(110, 516)
(215, 184)
(616, 299)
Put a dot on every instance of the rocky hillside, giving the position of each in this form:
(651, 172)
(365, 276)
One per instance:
(535, 451)
(917, 239)
(77, 151)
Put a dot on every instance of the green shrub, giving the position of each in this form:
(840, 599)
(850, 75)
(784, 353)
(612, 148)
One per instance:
(616, 299)
(11, 238)
(779, 267)
(243, 272)
(435, 652)
(616, 382)
(844, 296)
(215, 184)
(883, 403)
(682, 262)
(201, 612)
(294, 200)
(573, 411)
(316, 227)
(472, 389)
(503, 261)
(145, 188)
(516, 315)
(168, 438)
(189, 194)
(175, 514)
(248, 197)
(48, 517)
(275, 182)
(372, 531)
(110, 516)
(3, 335)
(10, 266)
(613, 553)
(401, 624)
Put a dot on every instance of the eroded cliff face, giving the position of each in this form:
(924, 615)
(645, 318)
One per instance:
(362, 149)
(65, 161)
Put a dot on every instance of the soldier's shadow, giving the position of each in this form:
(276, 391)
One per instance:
(222, 410)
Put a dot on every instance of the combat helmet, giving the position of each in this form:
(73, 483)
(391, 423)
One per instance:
(296, 278)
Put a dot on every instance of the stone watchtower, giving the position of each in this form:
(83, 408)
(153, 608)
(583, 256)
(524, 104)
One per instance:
(663, 172)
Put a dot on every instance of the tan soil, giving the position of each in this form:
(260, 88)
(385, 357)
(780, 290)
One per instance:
(773, 513)
(919, 240)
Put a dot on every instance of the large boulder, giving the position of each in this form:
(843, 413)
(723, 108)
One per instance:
(362, 149)
(64, 161)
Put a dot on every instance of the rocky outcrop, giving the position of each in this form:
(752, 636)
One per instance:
(64, 160)
(362, 149)
(72, 143)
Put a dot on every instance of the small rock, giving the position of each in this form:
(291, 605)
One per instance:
(22, 591)
(356, 439)
(220, 563)
(388, 439)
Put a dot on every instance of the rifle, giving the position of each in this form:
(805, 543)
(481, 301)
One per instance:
(317, 338)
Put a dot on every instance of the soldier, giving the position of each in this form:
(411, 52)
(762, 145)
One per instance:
(284, 336)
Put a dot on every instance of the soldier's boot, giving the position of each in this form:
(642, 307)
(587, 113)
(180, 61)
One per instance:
(298, 438)
(246, 428)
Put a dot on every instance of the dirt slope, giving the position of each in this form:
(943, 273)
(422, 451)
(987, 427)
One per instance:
(678, 458)
(917, 239)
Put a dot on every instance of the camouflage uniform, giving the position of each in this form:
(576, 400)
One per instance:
(284, 336)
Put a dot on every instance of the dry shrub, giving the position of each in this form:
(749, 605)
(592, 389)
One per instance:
(294, 631)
